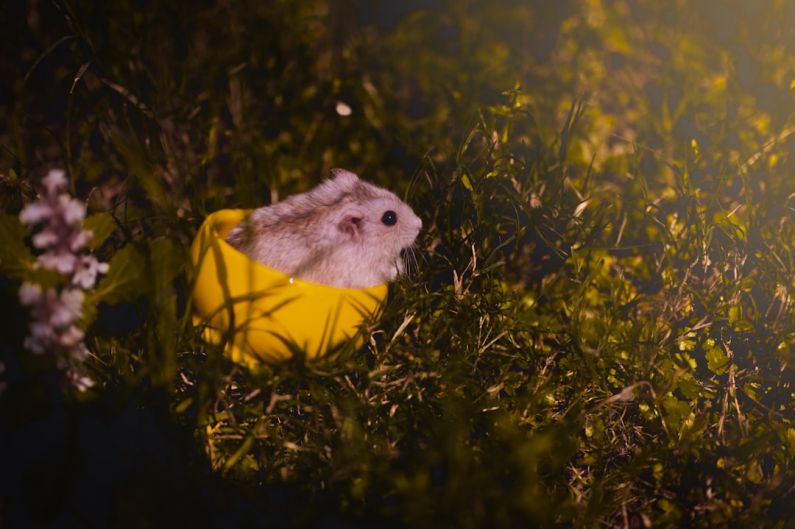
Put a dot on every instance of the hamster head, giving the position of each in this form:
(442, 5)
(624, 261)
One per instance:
(370, 228)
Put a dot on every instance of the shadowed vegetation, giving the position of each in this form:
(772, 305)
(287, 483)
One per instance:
(599, 329)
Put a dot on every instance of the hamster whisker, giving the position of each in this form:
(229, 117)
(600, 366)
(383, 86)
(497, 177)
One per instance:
(408, 265)
(404, 258)
(415, 264)
(409, 257)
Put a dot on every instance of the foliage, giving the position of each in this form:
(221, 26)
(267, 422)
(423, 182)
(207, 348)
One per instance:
(600, 329)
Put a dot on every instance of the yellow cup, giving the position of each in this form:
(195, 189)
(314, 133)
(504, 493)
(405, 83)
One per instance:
(263, 315)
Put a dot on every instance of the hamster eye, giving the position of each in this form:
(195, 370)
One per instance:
(389, 218)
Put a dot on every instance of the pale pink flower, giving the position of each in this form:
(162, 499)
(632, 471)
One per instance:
(68, 308)
(71, 337)
(80, 240)
(54, 181)
(54, 317)
(63, 263)
(72, 210)
(35, 212)
(86, 271)
(45, 239)
(57, 219)
(29, 293)
(81, 382)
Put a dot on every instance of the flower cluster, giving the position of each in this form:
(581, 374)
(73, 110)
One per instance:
(57, 220)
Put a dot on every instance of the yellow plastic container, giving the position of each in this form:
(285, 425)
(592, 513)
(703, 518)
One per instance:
(264, 315)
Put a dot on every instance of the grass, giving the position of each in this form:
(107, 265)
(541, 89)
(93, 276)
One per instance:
(599, 331)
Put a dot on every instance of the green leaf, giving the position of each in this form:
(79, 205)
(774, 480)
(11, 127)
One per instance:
(16, 259)
(125, 280)
(676, 412)
(717, 361)
(136, 159)
(688, 386)
(167, 259)
(467, 183)
(755, 473)
(101, 226)
(735, 314)
(790, 440)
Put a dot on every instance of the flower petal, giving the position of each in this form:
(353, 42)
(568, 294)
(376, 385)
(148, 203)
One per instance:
(54, 181)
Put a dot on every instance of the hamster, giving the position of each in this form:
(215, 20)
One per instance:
(345, 233)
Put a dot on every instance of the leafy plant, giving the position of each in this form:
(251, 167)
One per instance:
(600, 327)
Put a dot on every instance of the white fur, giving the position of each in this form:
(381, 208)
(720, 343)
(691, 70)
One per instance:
(332, 234)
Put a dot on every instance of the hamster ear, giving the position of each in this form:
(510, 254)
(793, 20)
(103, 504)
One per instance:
(343, 177)
(351, 225)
